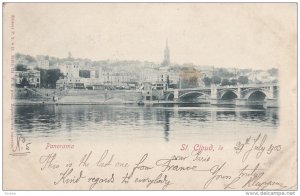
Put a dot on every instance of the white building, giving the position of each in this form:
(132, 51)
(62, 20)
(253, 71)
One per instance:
(71, 69)
(21, 61)
(260, 76)
(33, 78)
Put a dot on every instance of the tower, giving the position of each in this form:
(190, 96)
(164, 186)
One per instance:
(69, 55)
(166, 61)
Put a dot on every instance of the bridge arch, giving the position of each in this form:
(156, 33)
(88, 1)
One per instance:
(170, 97)
(154, 97)
(256, 95)
(228, 94)
(192, 94)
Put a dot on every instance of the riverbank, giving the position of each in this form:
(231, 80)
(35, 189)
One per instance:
(76, 97)
(118, 97)
(29, 102)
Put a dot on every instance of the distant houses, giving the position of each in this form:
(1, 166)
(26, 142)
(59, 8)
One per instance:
(66, 73)
(30, 78)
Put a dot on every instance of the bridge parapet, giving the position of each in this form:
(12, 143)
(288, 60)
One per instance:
(270, 90)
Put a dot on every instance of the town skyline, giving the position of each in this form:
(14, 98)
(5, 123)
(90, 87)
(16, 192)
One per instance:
(90, 62)
(158, 62)
(208, 35)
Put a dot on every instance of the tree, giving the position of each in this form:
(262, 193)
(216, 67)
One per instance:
(43, 76)
(173, 86)
(17, 55)
(52, 76)
(190, 82)
(30, 58)
(207, 81)
(21, 67)
(24, 82)
(224, 73)
(243, 80)
(273, 72)
(225, 82)
(189, 77)
(168, 80)
(215, 80)
(233, 82)
(49, 77)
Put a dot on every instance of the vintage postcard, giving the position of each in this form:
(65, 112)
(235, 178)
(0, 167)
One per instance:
(150, 96)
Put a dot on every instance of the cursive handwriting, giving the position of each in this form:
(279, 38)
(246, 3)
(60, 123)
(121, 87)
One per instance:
(160, 179)
(252, 178)
(47, 161)
(169, 165)
(68, 177)
(98, 180)
(138, 166)
(97, 171)
(216, 175)
(255, 145)
(102, 162)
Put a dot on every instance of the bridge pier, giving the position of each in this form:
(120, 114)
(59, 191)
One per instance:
(272, 103)
(213, 95)
(239, 92)
(176, 95)
(214, 101)
(214, 92)
(241, 102)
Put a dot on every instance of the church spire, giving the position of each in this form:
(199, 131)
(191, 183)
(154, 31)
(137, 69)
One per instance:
(167, 44)
(166, 61)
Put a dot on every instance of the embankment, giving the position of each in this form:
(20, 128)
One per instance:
(74, 96)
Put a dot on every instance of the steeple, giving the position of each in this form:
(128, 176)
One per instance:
(69, 55)
(166, 61)
(167, 47)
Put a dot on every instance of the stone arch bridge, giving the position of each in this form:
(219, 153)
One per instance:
(250, 94)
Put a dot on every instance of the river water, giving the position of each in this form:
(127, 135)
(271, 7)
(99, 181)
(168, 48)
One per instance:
(98, 123)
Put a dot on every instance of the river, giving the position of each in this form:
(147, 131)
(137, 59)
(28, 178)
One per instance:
(127, 122)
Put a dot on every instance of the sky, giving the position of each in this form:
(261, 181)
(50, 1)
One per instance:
(228, 35)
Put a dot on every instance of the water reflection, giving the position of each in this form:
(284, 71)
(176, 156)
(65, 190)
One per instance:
(129, 122)
(166, 125)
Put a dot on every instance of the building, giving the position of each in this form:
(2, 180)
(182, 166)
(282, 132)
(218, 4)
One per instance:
(30, 78)
(93, 73)
(32, 65)
(21, 60)
(71, 83)
(56, 66)
(72, 69)
(43, 64)
(173, 77)
(79, 76)
(260, 76)
(61, 84)
(42, 61)
(166, 61)
(149, 75)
